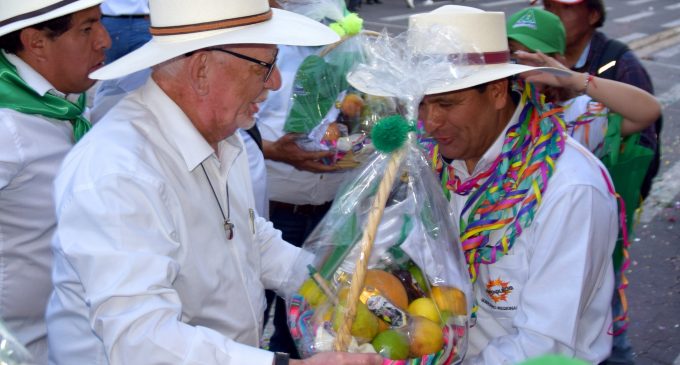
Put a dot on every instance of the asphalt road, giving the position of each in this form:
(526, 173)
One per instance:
(652, 28)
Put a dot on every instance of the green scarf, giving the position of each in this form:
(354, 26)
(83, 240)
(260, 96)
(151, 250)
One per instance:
(15, 94)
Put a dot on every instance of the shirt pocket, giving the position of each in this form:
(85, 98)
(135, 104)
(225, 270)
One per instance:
(501, 284)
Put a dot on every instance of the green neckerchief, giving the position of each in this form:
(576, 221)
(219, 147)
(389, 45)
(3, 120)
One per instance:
(15, 94)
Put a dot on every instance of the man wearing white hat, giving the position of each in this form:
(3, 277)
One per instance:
(48, 48)
(536, 215)
(160, 257)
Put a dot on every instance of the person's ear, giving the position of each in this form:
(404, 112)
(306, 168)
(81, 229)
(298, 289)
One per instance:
(34, 43)
(594, 17)
(198, 73)
(498, 92)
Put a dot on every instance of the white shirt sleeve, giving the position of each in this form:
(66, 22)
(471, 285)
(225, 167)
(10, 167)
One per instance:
(10, 151)
(118, 234)
(569, 269)
(279, 257)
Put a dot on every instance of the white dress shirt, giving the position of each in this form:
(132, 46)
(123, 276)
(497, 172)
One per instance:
(286, 183)
(144, 272)
(32, 148)
(258, 172)
(552, 292)
(125, 7)
(109, 94)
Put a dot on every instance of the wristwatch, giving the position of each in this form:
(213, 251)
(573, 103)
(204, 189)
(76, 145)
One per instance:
(281, 358)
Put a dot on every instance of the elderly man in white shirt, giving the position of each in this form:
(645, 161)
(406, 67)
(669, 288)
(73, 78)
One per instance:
(160, 257)
(48, 49)
(536, 210)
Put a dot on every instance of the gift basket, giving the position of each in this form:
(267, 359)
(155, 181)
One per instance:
(326, 111)
(383, 271)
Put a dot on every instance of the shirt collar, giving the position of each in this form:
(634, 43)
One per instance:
(584, 56)
(35, 80)
(176, 126)
(491, 153)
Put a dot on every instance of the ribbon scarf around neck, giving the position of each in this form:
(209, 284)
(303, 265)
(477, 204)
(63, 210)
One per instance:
(504, 198)
(15, 94)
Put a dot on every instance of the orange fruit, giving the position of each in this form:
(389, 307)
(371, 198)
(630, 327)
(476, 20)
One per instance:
(449, 299)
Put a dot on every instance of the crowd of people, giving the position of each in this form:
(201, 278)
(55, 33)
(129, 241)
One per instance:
(147, 228)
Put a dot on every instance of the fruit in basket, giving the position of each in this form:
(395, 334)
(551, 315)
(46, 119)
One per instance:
(418, 277)
(424, 307)
(412, 288)
(449, 299)
(351, 106)
(426, 336)
(365, 324)
(391, 344)
(312, 294)
(332, 132)
(387, 285)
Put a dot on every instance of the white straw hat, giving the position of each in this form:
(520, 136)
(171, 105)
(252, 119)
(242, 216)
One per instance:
(479, 53)
(181, 26)
(19, 14)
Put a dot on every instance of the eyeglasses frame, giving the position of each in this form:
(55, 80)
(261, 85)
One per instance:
(268, 65)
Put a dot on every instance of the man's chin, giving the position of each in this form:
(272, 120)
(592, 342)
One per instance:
(246, 122)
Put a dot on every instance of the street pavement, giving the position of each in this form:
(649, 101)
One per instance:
(652, 28)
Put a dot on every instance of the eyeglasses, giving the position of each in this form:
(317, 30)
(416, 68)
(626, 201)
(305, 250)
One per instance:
(268, 65)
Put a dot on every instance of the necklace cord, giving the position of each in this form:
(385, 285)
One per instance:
(226, 219)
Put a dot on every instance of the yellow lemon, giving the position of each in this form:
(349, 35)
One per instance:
(424, 307)
(425, 337)
(449, 299)
(312, 294)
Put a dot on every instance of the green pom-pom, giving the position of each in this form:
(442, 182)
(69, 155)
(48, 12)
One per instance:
(337, 28)
(352, 24)
(390, 133)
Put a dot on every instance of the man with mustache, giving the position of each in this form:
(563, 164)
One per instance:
(48, 48)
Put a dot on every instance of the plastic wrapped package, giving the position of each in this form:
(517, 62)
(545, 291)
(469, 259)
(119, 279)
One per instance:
(414, 300)
(12, 352)
(385, 270)
(327, 112)
(319, 10)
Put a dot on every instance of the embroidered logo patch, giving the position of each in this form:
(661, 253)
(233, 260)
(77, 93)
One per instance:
(498, 290)
(527, 20)
(595, 107)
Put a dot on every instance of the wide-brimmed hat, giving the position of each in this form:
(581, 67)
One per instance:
(478, 50)
(19, 14)
(181, 26)
(538, 30)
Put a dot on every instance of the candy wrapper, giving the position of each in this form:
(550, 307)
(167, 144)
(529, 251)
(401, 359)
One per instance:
(12, 352)
(327, 112)
(387, 254)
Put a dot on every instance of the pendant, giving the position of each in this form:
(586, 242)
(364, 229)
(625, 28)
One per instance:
(229, 229)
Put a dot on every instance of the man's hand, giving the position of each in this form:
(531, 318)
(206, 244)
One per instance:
(286, 150)
(340, 358)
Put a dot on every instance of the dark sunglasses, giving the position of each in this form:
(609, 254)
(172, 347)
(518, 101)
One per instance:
(269, 65)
